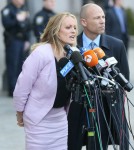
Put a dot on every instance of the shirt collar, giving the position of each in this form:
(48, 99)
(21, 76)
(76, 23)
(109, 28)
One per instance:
(87, 41)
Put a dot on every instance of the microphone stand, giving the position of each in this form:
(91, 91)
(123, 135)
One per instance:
(85, 88)
(93, 130)
(91, 127)
(89, 105)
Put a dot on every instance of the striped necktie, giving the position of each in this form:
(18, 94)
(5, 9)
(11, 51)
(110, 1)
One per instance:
(92, 44)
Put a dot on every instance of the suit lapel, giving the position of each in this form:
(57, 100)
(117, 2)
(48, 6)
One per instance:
(79, 40)
(104, 45)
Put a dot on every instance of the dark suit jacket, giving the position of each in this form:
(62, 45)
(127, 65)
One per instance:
(112, 47)
(113, 26)
(77, 115)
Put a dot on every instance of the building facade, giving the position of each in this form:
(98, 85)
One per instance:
(72, 6)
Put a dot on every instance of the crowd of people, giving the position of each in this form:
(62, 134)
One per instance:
(117, 24)
(17, 31)
(43, 103)
(16, 22)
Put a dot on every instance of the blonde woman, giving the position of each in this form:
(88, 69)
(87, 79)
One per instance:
(40, 87)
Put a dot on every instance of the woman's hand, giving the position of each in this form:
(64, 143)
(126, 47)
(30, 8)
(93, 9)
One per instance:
(19, 116)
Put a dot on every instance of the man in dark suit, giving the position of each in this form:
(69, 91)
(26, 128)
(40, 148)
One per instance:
(92, 19)
(116, 22)
(42, 17)
(17, 26)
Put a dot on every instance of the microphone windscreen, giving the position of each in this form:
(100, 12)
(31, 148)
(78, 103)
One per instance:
(90, 58)
(76, 57)
(99, 52)
(67, 48)
(62, 62)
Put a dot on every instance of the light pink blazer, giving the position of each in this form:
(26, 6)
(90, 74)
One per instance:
(36, 86)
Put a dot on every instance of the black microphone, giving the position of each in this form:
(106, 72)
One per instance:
(77, 61)
(69, 50)
(68, 72)
(62, 62)
(120, 78)
(65, 66)
(109, 70)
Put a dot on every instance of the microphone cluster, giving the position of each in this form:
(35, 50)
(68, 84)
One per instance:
(93, 80)
(97, 62)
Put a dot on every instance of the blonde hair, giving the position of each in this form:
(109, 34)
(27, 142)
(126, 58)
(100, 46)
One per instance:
(50, 33)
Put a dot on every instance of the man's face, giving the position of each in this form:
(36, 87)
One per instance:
(119, 2)
(94, 22)
(49, 4)
(19, 3)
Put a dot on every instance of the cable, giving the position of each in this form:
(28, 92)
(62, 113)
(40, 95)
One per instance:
(130, 127)
(110, 134)
(97, 111)
(102, 109)
(94, 118)
(123, 130)
(87, 116)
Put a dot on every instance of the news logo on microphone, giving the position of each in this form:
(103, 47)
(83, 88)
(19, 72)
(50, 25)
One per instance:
(66, 69)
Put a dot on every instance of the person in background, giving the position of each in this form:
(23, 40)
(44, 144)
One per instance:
(16, 22)
(92, 19)
(40, 96)
(42, 17)
(116, 22)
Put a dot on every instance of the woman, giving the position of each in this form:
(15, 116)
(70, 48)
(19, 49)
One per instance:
(40, 95)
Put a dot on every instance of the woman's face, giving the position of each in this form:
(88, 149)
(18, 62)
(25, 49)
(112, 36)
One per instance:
(68, 31)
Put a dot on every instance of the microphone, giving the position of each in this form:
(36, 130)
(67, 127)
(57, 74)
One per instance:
(66, 68)
(77, 61)
(99, 52)
(113, 72)
(76, 57)
(69, 50)
(65, 65)
(103, 66)
(101, 55)
(119, 77)
(104, 62)
(62, 62)
(90, 58)
(111, 61)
